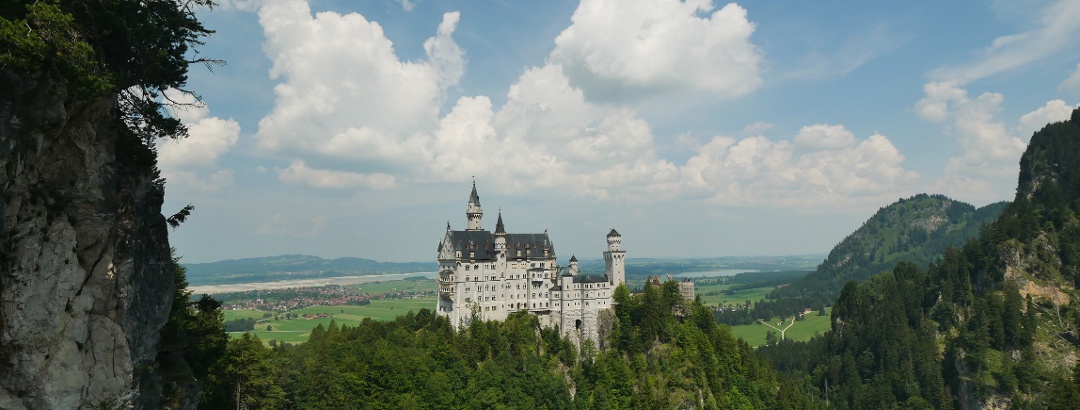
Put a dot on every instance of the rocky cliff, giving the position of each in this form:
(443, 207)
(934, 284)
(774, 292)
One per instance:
(85, 275)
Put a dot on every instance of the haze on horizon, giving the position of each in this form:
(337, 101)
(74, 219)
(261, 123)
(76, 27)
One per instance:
(696, 128)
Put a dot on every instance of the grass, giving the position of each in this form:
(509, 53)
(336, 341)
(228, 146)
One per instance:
(241, 314)
(738, 297)
(754, 334)
(427, 285)
(298, 330)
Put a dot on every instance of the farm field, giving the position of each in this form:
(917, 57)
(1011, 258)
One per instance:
(738, 297)
(297, 330)
(754, 334)
(425, 285)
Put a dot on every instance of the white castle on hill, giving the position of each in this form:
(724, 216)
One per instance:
(493, 274)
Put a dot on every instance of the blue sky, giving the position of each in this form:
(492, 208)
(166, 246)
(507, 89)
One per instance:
(345, 128)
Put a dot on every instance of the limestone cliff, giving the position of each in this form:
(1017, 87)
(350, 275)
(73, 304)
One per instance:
(86, 279)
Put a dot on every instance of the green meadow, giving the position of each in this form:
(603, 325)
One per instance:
(754, 334)
(425, 285)
(737, 297)
(297, 330)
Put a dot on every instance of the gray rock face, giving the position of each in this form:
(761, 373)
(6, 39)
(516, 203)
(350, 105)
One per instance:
(86, 279)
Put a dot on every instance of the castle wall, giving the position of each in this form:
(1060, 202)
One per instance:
(490, 276)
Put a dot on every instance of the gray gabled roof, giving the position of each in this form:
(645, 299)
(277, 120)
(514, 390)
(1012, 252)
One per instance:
(590, 278)
(613, 233)
(482, 244)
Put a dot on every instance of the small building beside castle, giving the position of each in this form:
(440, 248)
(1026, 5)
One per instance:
(489, 275)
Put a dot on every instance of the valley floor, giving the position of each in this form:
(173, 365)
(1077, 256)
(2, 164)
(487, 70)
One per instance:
(285, 284)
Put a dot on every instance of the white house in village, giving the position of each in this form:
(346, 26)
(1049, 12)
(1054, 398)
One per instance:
(493, 274)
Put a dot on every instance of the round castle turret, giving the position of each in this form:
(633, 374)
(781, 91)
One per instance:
(614, 240)
(615, 259)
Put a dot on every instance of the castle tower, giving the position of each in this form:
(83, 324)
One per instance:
(473, 211)
(573, 269)
(500, 239)
(615, 259)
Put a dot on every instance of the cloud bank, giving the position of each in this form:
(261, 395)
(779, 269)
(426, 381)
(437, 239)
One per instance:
(351, 114)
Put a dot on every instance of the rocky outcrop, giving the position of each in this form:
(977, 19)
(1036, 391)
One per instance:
(86, 277)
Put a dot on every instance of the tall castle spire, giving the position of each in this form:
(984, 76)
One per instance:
(500, 238)
(615, 259)
(473, 211)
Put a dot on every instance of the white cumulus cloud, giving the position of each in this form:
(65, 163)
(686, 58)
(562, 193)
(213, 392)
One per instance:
(1053, 111)
(343, 89)
(760, 171)
(628, 48)
(986, 150)
(823, 136)
(299, 173)
(192, 162)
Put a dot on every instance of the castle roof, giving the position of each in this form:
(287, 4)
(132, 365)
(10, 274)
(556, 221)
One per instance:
(482, 245)
(573, 258)
(499, 229)
(613, 233)
(473, 197)
(590, 279)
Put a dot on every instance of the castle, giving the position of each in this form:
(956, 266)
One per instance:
(489, 275)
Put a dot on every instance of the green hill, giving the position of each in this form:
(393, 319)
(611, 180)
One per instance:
(994, 325)
(916, 230)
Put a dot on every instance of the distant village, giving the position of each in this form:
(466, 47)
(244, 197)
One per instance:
(289, 299)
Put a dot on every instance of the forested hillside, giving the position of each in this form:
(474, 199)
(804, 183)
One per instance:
(917, 230)
(991, 325)
(664, 352)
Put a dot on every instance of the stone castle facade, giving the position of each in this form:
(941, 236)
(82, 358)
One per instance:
(489, 275)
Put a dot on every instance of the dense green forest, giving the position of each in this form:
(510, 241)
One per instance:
(992, 324)
(661, 352)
